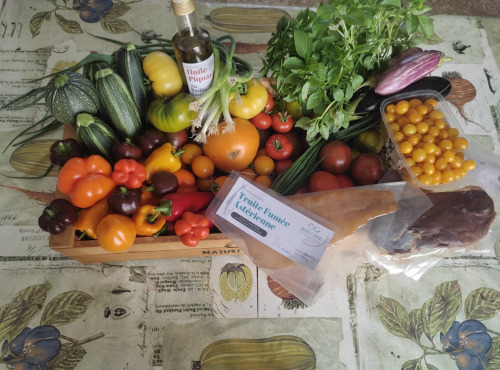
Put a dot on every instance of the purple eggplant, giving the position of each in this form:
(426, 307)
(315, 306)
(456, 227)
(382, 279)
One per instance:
(400, 76)
(405, 56)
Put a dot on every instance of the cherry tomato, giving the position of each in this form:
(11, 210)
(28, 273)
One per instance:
(202, 166)
(367, 169)
(270, 103)
(264, 180)
(282, 122)
(297, 143)
(263, 165)
(335, 157)
(189, 152)
(262, 121)
(217, 183)
(278, 147)
(322, 180)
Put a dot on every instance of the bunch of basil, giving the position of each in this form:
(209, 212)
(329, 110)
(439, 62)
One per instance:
(320, 58)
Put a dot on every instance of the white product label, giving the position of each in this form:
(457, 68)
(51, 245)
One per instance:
(275, 224)
(199, 76)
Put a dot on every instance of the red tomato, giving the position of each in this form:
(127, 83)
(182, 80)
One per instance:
(302, 190)
(345, 181)
(282, 122)
(297, 142)
(282, 165)
(322, 180)
(367, 169)
(278, 147)
(335, 157)
(262, 121)
(270, 103)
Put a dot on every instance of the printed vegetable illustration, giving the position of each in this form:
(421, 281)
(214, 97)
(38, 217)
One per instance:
(42, 346)
(236, 19)
(235, 281)
(33, 158)
(279, 352)
(289, 301)
(470, 343)
(462, 92)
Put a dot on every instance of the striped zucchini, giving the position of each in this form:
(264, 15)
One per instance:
(68, 94)
(90, 69)
(96, 135)
(274, 353)
(118, 104)
(239, 19)
(129, 67)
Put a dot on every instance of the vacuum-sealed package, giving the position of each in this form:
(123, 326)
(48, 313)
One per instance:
(287, 237)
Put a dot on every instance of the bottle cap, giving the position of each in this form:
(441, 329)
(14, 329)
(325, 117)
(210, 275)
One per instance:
(183, 7)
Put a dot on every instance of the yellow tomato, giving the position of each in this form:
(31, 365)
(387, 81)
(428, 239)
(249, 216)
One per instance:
(164, 74)
(248, 105)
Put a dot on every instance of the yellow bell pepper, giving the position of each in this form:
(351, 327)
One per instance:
(251, 103)
(164, 158)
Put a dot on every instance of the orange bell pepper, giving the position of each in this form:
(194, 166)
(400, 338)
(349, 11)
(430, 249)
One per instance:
(86, 180)
(89, 218)
(149, 220)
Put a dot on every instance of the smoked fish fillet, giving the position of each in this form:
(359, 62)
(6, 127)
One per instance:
(348, 209)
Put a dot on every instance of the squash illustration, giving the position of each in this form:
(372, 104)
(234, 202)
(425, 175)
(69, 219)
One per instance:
(281, 352)
(235, 281)
(239, 19)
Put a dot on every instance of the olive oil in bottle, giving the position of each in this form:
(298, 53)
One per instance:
(193, 49)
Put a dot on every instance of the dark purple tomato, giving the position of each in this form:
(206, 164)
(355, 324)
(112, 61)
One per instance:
(367, 169)
(335, 157)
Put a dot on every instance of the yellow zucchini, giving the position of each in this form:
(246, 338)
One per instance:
(280, 352)
(239, 19)
(33, 158)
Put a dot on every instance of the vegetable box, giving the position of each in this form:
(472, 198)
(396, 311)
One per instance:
(89, 251)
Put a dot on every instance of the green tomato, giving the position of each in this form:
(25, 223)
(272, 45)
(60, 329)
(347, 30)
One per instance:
(370, 141)
(295, 109)
(172, 115)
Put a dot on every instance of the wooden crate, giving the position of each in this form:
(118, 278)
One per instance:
(144, 248)
(89, 251)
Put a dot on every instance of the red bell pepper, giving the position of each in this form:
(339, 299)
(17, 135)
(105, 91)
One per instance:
(186, 202)
(129, 173)
(192, 228)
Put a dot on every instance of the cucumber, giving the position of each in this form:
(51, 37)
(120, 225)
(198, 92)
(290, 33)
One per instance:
(118, 104)
(96, 135)
(129, 67)
(69, 93)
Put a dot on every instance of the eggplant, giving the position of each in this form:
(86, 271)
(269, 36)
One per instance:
(399, 76)
(371, 102)
(405, 56)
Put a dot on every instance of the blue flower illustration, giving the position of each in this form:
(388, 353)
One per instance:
(91, 11)
(467, 342)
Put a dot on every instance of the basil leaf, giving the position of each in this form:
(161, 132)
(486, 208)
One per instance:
(391, 3)
(303, 44)
(293, 63)
(354, 18)
(338, 95)
(426, 24)
(313, 101)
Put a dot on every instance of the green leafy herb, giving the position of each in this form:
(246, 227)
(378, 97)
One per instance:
(321, 58)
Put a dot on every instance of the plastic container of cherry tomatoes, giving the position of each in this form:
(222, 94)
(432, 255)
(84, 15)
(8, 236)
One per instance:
(487, 168)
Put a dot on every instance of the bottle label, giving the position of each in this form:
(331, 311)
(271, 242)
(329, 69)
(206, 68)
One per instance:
(199, 76)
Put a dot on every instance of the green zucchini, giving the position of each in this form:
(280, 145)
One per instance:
(96, 135)
(274, 353)
(69, 93)
(129, 67)
(90, 69)
(118, 104)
